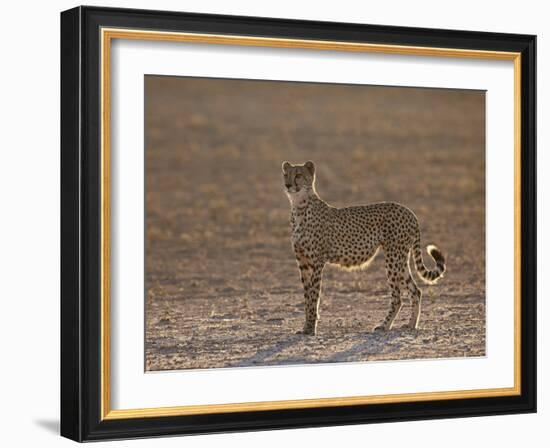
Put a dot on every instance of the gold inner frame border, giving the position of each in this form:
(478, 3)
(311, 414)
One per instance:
(107, 35)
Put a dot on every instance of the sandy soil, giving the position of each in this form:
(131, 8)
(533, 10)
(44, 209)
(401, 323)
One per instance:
(222, 286)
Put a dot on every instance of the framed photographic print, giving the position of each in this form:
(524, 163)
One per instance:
(275, 224)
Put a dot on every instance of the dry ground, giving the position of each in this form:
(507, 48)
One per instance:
(222, 286)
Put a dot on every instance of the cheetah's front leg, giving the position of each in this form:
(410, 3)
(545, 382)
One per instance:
(311, 280)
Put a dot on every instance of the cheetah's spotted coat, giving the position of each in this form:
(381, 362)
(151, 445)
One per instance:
(350, 237)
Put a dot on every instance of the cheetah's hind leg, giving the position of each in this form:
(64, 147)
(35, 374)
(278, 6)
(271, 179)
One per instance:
(416, 300)
(395, 272)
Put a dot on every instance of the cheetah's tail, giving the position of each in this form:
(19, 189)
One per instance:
(429, 276)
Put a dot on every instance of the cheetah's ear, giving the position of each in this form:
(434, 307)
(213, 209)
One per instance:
(286, 166)
(310, 167)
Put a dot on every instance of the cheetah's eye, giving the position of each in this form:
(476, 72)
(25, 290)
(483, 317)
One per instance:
(298, 176)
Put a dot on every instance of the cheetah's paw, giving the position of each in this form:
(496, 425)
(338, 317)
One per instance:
(306, 332)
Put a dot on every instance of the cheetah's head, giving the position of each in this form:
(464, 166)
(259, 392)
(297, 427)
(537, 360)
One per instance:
(298, 177)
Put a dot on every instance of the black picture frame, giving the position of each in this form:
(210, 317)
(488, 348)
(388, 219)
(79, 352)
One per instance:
(81, 227)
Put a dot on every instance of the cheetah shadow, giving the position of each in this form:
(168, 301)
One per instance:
(375, 343)
(262, 355)
(371, 344)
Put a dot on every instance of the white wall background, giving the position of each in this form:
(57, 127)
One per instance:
(29, 228)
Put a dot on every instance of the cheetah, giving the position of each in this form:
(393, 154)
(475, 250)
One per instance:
(350, 237)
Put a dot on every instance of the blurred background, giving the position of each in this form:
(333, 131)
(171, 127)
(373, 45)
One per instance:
(222, 286)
